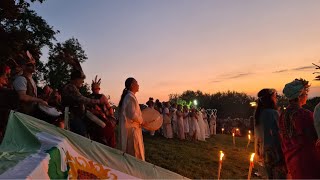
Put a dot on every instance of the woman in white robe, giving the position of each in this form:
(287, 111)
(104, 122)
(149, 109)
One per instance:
(186, 121)
(180, 124)
(205, 119)
(174, 119)
(167, 128)
(195, 130)
(201, 126)
(130, 120)
(213, 124)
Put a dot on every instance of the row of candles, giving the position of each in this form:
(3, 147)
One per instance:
(234, 140)
(251, 165)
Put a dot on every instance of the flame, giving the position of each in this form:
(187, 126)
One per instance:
(252, 157)
(249, 132)
(222, 129)
(237, 129)
(232, 134)
(249, 137)
(221, 155)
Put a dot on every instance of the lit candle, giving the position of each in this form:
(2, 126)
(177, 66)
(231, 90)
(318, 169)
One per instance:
(251, 165)
(233, 139)
(249, 139)
(220, 164)
(249, 132)
(222, 130)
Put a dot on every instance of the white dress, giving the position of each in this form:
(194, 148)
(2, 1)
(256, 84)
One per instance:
(213, 125)
(167, 128)
(186, 122)
(130, 139)
(195, 127)
(174, 120)
(202, 127)
(207, 129)
(180, 126)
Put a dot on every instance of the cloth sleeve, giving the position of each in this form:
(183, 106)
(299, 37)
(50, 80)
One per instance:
(20, 84)
(77, 96)
(132, 112)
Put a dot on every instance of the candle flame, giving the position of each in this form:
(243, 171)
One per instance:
(221, 155)
(237, 129)
(252, 157)
(222, 129)
(249, 132)
(249, 137)
(232, 134)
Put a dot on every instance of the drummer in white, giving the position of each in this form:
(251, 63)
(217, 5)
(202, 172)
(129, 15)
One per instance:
(130, 139)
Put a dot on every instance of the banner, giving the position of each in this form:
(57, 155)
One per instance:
(34, 149)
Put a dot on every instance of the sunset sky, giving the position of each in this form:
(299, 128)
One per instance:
(172, 46)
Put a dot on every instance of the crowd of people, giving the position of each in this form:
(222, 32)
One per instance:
(183, 122)
(287, 142)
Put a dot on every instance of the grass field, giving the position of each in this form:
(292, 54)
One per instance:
(200, 160)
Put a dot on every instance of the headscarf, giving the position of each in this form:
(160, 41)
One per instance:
(295, 88)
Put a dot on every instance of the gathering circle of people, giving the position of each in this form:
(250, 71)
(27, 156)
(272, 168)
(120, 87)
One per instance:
(286, 141)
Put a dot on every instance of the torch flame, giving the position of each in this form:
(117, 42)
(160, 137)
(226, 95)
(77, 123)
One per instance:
(221, 155)
(252, 156)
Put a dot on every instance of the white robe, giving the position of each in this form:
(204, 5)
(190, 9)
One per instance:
(202, 127)
(130, 133)
(213, 125)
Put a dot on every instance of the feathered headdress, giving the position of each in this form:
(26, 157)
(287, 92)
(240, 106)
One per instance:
(317, 78)
(96, 82)
(74, 62)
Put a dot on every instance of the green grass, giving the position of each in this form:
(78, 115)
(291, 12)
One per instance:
(200, 160)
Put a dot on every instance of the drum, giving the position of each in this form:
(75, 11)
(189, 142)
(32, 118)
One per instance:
(95, 119)
(152, 119)
(47, 113)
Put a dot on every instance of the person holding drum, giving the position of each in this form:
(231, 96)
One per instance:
(72, 98)
(130, 120)
(26, 87)
(104, 112)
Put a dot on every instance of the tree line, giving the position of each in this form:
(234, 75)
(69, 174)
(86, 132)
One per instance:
(22, 29)
(229, 104)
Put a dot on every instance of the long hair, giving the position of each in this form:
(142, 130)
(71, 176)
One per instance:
(264, 102)
(127, 84)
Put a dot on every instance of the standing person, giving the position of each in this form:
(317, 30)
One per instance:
(266, 122)
(150, 105)
(186, 121)
(202, 127)
(130, 121)
(180, 125)
(213, 123)
(26, 87)
(104, 112)
(297, 132)
(195, 130)
(173, 113)
(72, 98)
(167, 128)
(205, 119)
